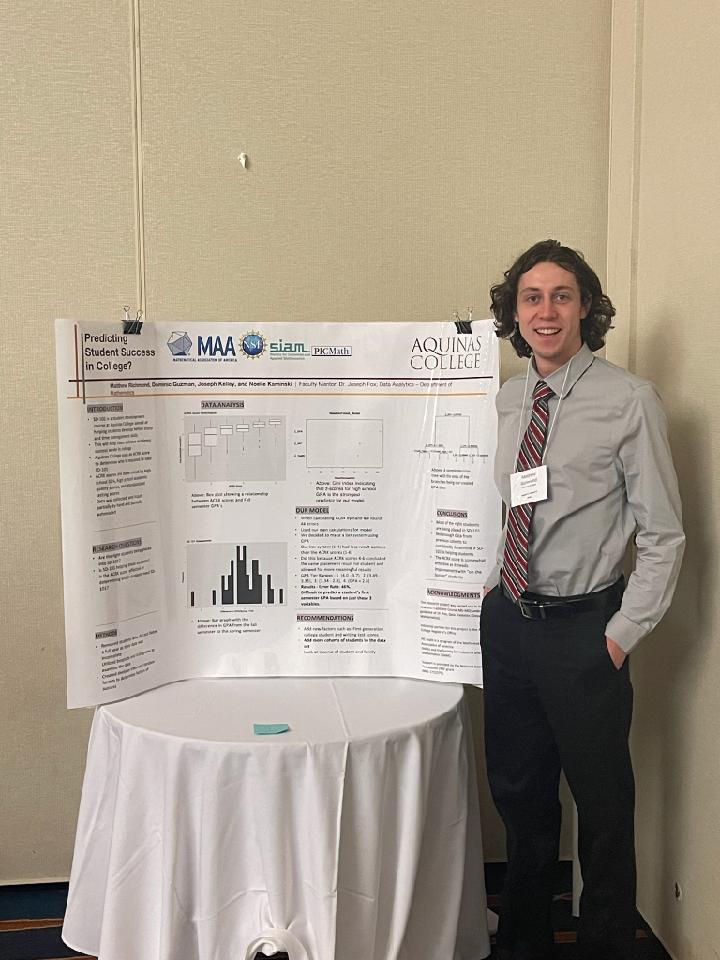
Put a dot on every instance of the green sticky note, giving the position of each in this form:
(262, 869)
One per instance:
(262, 729)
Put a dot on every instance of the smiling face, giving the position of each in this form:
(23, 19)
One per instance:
(549, 310)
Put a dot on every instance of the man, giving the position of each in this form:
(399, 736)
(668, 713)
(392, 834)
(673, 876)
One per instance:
(587, 445)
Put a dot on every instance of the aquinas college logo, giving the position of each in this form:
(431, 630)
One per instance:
(456, 352)
(253, 345)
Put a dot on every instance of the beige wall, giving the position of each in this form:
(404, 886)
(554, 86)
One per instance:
(67, 247)
(400, 155)
(400, 152)
(666, 245)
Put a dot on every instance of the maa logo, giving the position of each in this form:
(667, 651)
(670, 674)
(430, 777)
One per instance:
(179, 343)
(215, 346)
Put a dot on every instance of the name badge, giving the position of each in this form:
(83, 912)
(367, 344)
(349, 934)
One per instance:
(528, 486)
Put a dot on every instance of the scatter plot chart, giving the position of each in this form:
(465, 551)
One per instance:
(233, 575)
(344, 444)
(234, 448)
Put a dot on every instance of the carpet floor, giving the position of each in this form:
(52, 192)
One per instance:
(31, 920)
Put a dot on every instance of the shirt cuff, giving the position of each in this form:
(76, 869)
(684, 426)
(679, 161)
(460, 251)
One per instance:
(624, 632)
(493, 578)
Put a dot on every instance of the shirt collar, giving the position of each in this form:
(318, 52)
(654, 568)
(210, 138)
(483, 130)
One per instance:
(578, 364)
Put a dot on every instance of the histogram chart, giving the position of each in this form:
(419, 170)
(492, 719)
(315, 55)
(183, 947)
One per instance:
(221, 448)
(223, 575)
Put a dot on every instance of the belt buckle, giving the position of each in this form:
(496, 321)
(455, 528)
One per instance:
(526, 606)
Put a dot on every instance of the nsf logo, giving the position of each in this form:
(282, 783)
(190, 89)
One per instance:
(253, 344)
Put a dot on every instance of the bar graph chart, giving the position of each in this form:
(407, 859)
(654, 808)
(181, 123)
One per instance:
(235, 575)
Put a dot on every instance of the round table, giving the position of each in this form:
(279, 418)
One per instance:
(354, 835)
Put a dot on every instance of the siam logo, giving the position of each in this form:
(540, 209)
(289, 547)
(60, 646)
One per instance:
(288, 349)
(253, 345)
(179, 343)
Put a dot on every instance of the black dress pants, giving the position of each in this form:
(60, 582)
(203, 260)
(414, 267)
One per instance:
(554, 700)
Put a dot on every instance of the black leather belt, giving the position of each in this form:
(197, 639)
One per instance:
(535, 606)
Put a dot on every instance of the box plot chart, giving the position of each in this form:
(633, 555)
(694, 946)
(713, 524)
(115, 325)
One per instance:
(234, 448)
(233, 575)
(344, 444)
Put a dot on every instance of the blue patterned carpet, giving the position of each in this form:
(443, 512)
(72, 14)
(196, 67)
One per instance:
(31, 920)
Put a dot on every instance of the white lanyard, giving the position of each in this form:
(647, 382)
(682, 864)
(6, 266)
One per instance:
(531, 486)
(557, 410)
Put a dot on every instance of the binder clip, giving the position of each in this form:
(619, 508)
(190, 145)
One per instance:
(463, 326)
(132, 326)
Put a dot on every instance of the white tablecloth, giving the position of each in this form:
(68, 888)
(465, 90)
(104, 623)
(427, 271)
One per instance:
(354, 836)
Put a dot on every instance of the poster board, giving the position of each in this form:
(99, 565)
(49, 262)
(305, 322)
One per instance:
(293, 499)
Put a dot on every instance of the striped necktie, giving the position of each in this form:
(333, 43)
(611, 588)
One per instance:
(514, 573)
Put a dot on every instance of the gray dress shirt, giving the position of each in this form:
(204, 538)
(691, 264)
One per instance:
(610, 476)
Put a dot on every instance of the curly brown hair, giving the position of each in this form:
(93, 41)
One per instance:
(503, 296)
